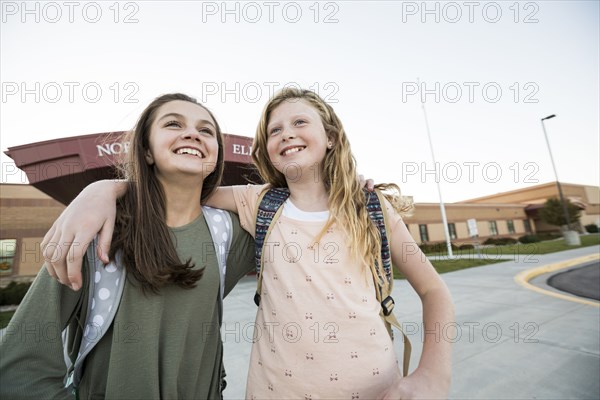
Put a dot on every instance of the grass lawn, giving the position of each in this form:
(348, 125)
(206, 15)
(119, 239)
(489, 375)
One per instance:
(5, 317)
(443, 266)
(493, 254)
(549, 246)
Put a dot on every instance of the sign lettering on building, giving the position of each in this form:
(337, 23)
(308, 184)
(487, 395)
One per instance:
(116, 148)
(242, 149)
(111, 149)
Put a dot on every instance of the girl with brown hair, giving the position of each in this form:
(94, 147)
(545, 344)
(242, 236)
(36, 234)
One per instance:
(164, 341)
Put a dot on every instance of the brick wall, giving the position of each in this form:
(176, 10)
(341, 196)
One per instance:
(26, 214)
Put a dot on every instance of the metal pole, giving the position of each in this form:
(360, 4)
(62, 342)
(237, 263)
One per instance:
(442, 207)
(560, 192)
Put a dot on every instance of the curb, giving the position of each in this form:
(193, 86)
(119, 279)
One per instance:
(524, 277)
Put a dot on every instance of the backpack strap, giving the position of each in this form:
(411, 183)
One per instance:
(269, 208)
(384, 275)
(105, 289)
(385, 283)
(221, 231)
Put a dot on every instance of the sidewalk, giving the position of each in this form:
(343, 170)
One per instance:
(511, 342)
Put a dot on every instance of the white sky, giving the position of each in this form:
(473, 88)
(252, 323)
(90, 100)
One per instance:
(365, 61)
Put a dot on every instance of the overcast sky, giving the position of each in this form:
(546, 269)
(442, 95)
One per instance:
(489, 71)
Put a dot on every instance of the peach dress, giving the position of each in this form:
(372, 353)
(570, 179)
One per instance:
(318, 333)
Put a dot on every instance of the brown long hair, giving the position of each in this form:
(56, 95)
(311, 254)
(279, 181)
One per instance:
(347, 201)
(141, 231)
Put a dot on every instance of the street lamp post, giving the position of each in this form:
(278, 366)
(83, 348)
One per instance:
(560, 192)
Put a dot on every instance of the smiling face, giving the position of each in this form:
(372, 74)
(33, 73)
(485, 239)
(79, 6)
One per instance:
(182, 141)
(296, 136)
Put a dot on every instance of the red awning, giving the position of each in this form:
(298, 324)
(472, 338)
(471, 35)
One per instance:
(62, 167)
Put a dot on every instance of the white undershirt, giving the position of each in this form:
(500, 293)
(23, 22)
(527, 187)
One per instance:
(293, 212)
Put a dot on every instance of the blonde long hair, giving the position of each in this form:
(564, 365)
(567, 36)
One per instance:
(347, 203)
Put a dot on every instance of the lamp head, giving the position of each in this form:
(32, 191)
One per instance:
(549, 116)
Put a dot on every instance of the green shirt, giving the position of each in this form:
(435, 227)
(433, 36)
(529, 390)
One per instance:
(159, 346)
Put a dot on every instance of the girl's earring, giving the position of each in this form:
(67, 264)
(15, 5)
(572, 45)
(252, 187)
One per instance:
(329, 145)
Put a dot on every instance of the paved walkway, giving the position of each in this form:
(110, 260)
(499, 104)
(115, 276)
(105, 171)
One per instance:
(511, 342)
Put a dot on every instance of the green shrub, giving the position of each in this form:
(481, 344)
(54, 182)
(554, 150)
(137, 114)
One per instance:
(591, 228)
(13, 293)
(439, 247)
(548, 235)
(466, 247)
(529, 239)
(505, 241)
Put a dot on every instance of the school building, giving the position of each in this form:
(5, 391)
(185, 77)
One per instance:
(508, 214)
(57, 170)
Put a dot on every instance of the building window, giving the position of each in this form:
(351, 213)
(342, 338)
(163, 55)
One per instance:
(423, 233)
(493, 228)
(7, 255)
(527, 226)
(511, 226)
(452, 230)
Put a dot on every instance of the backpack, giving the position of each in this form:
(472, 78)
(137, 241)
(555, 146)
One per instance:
(269, 209)
(102, 313)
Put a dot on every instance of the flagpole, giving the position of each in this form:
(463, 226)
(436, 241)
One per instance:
(437, 181)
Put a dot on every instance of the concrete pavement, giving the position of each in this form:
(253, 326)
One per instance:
(511, 342)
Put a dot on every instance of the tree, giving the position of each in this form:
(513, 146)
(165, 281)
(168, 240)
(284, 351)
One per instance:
(553, 214)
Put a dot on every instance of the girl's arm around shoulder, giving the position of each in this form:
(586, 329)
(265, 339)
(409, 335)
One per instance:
(32, 363)
(92, 212)
(223, 198)
(241, 199)
(431, 379)
(232, 198)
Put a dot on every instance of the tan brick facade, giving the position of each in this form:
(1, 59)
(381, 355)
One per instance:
(585, 196)
(26, 214)
(456, 213)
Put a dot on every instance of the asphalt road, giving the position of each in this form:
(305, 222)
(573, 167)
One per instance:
(581, 281)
